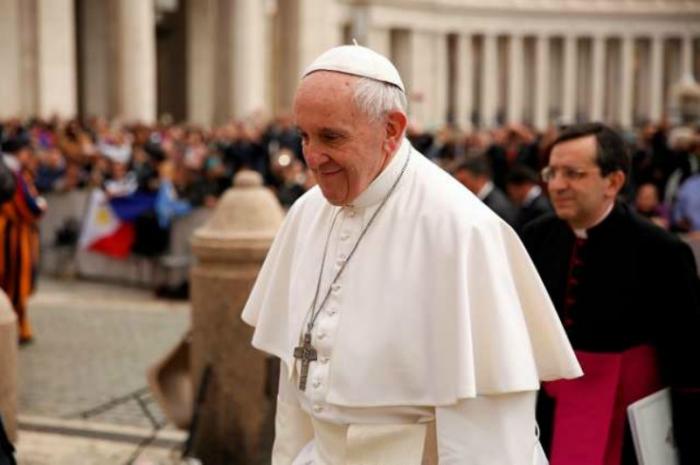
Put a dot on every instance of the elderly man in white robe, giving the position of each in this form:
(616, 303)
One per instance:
(403, 310)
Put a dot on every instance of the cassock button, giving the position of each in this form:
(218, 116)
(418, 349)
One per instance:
(316, 383)
(331, 311)
(317, 408)
(351, 213)
(344, 236)
(336, 287)
(321, 336)
(324, 360)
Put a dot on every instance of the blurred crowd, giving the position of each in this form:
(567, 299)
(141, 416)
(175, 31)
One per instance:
(200, 163)
(663, 185)
(152, 174)
(122, 158)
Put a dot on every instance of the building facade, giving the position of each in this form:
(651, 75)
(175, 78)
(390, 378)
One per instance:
(473, 63)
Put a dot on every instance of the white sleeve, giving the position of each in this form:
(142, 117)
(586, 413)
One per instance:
(293, 429)
(488, 430)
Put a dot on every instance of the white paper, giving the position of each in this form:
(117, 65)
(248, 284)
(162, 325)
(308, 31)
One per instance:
(652, 429)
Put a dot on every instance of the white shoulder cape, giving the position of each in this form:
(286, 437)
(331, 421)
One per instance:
(443, 303)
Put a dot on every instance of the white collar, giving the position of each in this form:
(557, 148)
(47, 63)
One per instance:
(485, 191)
(379, 188)
(532, 194)
(11, 162)
(583, 233)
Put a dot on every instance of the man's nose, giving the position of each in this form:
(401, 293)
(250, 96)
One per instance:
(557, 182)
(313, 155)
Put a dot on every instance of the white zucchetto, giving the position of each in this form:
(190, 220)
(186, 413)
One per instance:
(358, 61)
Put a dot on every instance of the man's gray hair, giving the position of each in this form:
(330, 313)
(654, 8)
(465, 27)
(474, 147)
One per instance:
(376, 98)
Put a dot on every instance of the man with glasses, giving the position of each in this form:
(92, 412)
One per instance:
(627, 294)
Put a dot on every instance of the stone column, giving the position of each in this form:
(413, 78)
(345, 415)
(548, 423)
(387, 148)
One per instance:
(489, 81)
(299, 44)
(324, 34)
(379, 40)
(597, 78)
(687, 58)
(8, 366)
(28, 52)
(249, 65)
(235, 423)
(438, 102)
(10, 59)
(515, 79)
(201, 62)
(57, 75)
(569, 88)
(223, 71)
(401, 57)
(656, 80)
(542, 82)
(421, 77)
(626, 82)
(97, 59)
(136, 78)
(464, 105)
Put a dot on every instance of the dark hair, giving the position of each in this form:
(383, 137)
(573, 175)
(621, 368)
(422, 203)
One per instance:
(521, 174)
(14, 144)
(612, 153)
(476, 165)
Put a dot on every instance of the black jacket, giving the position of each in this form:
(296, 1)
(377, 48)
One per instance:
(539, 206)
(499, 203)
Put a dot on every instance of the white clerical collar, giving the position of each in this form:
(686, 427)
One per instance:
(583, 233)
(485, 191)
(379, 188)
(11, 162)
(532, 194)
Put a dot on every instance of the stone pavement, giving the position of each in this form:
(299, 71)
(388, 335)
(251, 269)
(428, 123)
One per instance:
(83, 396)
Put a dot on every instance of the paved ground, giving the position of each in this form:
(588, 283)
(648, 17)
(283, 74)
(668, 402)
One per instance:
(82, 382)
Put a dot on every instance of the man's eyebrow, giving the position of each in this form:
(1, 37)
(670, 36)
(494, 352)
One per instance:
(336, 131)
(324, 130)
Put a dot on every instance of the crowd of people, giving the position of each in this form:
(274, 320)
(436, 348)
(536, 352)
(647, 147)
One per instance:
(185, 167)
(476, 340)
(97, 153)
(501, 165)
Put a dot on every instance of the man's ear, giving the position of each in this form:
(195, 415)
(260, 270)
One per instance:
(617, 181)
(394, 127)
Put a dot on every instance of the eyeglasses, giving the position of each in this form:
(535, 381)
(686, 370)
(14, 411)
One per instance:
(568, 173)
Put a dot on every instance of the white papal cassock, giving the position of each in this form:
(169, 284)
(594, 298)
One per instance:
(439, 316)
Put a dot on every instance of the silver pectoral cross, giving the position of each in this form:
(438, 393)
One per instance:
(307, 354)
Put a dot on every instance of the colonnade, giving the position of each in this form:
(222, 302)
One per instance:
(489, 78)
(463, 64)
